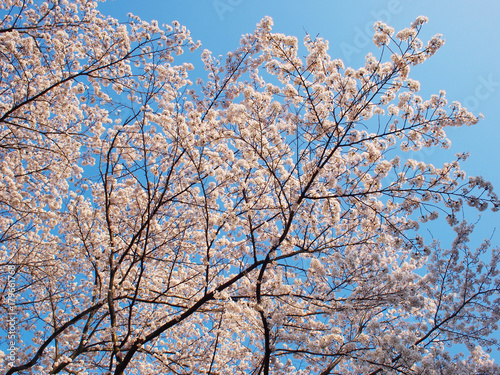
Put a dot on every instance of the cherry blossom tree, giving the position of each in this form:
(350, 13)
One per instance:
(254, 221)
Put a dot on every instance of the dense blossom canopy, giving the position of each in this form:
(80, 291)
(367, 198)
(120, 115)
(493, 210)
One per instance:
(254, 221)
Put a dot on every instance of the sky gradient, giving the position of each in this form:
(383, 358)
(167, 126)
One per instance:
(467, 66)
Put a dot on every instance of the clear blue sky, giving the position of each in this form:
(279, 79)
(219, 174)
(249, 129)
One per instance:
(467, 67)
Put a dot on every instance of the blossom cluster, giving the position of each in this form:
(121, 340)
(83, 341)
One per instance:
(254, 220)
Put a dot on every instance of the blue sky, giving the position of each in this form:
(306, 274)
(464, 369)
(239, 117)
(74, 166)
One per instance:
(467, 67)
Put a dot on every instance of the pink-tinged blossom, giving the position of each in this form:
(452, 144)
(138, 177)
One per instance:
(255, 219)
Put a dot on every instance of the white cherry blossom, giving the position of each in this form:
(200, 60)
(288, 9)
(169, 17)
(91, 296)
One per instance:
(254, 220)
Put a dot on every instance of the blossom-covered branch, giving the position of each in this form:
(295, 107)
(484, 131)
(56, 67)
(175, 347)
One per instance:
(260, 219)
